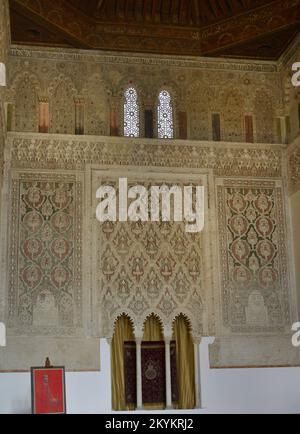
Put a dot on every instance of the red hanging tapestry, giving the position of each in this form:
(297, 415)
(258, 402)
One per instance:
(153, 373)
(130, 373)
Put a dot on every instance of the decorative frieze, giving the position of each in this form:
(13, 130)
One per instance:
(75, 55)
(65, 152)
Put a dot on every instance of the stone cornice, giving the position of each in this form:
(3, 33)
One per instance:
(74, 55)
(46, 151)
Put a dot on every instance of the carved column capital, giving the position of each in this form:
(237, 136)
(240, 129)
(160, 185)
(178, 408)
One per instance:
(197, 340)
(43, 99)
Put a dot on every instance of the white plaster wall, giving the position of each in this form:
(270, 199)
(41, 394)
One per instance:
(86, 392)
(275, 390)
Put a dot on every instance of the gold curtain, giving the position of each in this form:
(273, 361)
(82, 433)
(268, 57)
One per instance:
(185, 364)
(152, 330)
(123, 333)
(153, 333)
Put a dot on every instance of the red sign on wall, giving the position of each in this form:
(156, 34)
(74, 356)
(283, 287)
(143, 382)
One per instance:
(48, 390)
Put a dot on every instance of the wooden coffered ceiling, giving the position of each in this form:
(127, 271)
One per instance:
(253, 29)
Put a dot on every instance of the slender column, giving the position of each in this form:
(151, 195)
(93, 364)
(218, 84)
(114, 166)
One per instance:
(168, 374)
(139, 391)
(197, 370)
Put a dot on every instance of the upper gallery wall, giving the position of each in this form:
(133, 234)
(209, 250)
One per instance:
(64, 91)
(292, 109)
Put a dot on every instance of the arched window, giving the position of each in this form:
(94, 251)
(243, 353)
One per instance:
(131, 113)
(165, 116)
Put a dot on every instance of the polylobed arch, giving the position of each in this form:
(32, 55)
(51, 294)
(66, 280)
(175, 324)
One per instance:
(123, 315)
(186, 318)
(153, 321)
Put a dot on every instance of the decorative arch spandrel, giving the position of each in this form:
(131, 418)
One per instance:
(62, 105)
(25, 93)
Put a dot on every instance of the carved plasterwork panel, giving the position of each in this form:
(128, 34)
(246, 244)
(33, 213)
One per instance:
(234, 110)
(45, 290)
(290, 94)
(294, 167)
(25, 92)
(201, 99)
(253, 255)
(96, 107)
(265, 119)
(145, 268)
(62, 106)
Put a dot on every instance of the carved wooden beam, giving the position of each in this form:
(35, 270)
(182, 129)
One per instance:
(145, 37)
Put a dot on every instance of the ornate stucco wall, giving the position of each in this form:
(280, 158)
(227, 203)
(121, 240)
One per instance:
(198, 87)
(69, 278)
(291, 93)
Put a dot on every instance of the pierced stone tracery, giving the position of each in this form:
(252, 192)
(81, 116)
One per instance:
(165, 122)
(131, 113)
